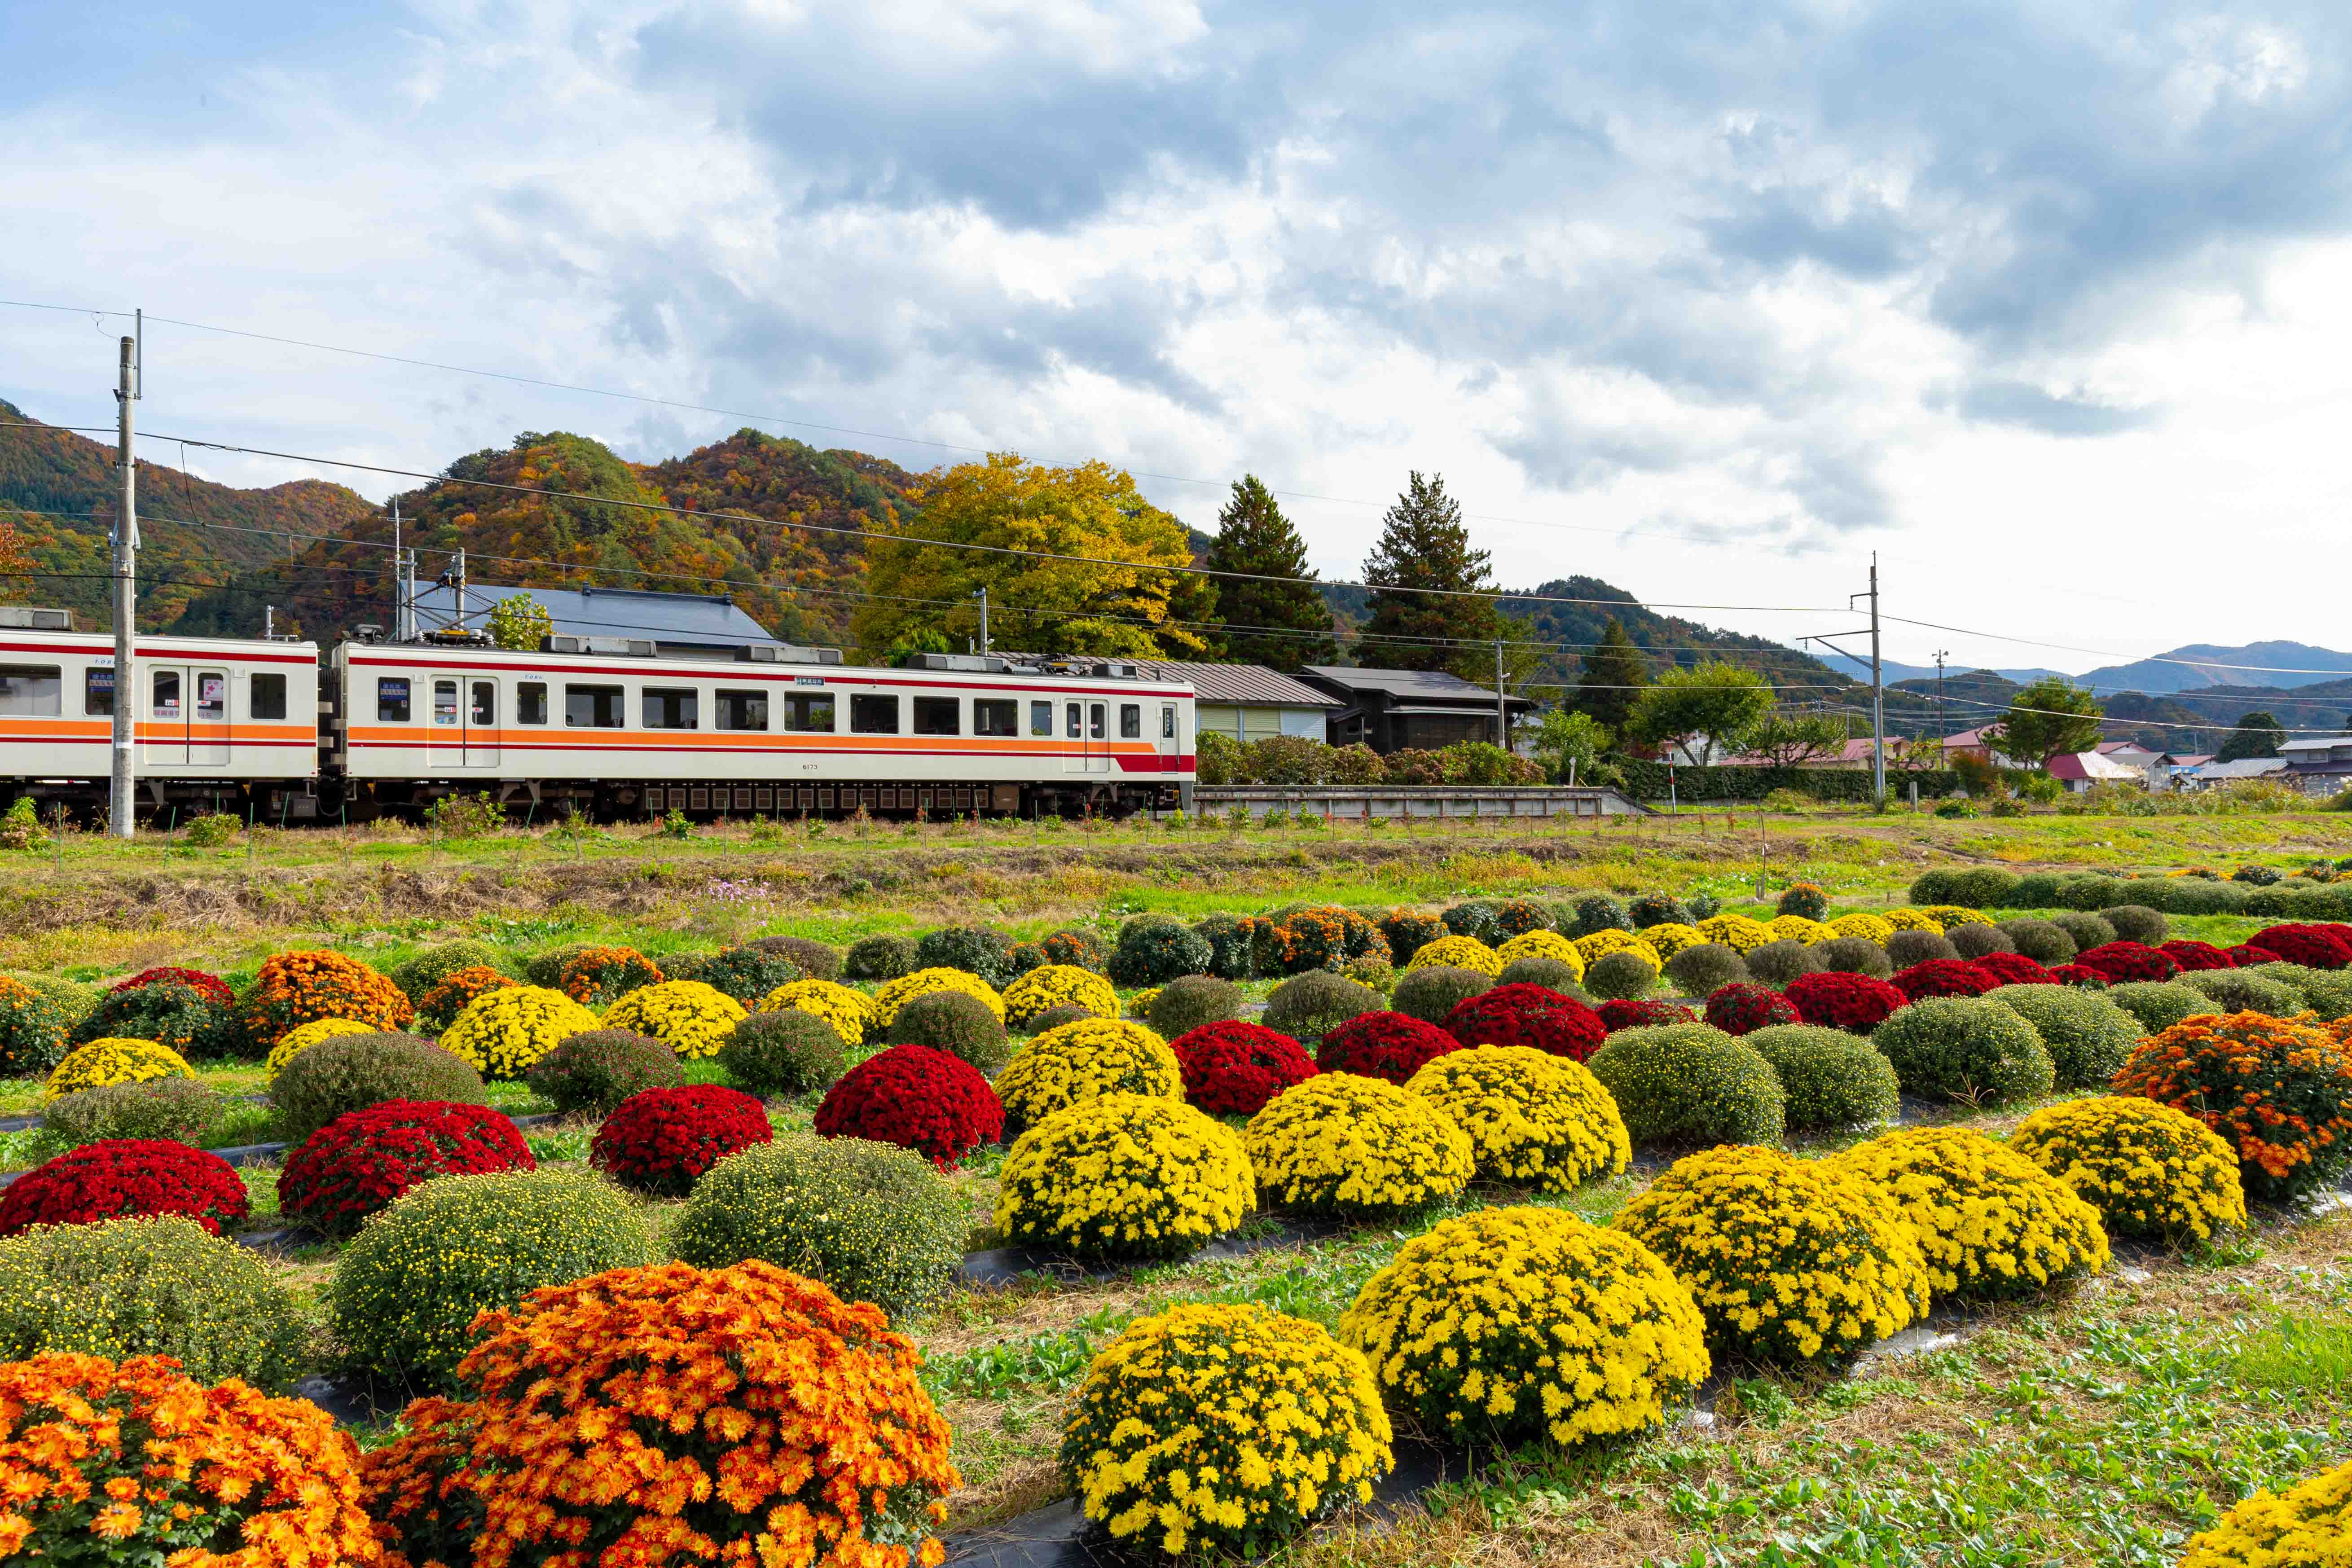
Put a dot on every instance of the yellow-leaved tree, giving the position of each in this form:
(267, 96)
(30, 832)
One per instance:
(925, 590)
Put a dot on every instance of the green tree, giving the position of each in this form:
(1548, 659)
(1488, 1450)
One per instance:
(518, 621)
(1707, 710)
(926, 589)
(1789, 740)
(2258, 735)
(1567, 744)
(1614, 675)
(1423, 547)
(2050, 717)
(1254, 538)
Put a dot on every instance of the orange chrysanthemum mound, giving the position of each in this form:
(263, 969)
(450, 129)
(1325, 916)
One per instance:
(673, 1416)
(2278, 1093)
(139, 1463)
(298, 988)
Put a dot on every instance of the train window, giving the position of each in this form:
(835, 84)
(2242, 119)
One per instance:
(874, 715)
(938, 716)
(167, 694)
(810, 711)
(445, 703)
(268, 699)
(1095, 720)
(739, 709)
(1130, 720)
(593, 706)
(530, 702)
(98, 691)
(1072, 721)
(484, 712)
(1167, 720)
(990, 717)
(211, 697)
(1041, 719)
(391, 698)
(672, 708)
(32, 689)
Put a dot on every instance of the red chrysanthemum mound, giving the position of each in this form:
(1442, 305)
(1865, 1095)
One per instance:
(125, 1176)
(2246, 955)
(2013, 969)
(1524, 1015)
(1742, 1006)
(2314, 946)
(363, 1158)
(931, 1101)
(660, 1139)
(2079, 975)
(1941, 977)
(2122, 962)
(1640, 1013)
(1838, 999)
(1390, 1046)
(211, 988)
(1232, 1069)
(2192, 955)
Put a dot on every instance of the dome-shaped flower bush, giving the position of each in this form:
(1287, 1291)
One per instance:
(600, 976)
(1597, 945)
(1778, 963)
(1738, 932)
(502, 1033)
(1531, 1116)
(692, 1018)
(2306, 1524)
(1640, 1013)
(1738, 1009)
(293, 988)
(1670, 937)
(1527, 1015)
(1459, 952)
(1623, 975)
(1540, 944)
(1657, 908)
(167, 1010)
(1153, 950)
(1058, 986)
(2194, 955)
(2087, 1036)
(2149, 1170)
(138, 1463)
(2246, 955)
(897, 992)
(784, 1052)
(1407, 932)
(982, 950)
(34, 1027)
(1387, 1046)
(1357, 1148)
(1322, 936)
(455, 991)
(1141, 1464)
(931, 1102)
(715, 1408)
(2278, 1093)
(205, 983)
(1127, 1176)
(1943, 977)
(2157, 1005)
(1800, 929)
(1429, 994)
(1690, 1083)
(1830, 1078)
(2122, 962)
(125, 1176)
(1803, 901)
(659, 1139)
(1912, 918)
(850, 1013)
(741, 973)
(360, 1162)
(1232, 1069)
(2012, 969)
(1966, 1050)
(2080, 975)
(1869, 927)
(962, 1026)
(1082, 1060)
(113, 1061)
(1788, 1260)
(1512, 1325)
(2317, 946)
(302, 1036)
(1991, 1221)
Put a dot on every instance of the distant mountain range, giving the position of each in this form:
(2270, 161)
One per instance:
(1893, 670)
(2278, 665)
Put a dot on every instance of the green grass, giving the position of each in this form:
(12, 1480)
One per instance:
(2295, 1354)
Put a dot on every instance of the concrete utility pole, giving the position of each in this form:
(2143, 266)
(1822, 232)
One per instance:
(399, 579)
(982, 596)
(121, 803)
(1502, 703)
(1942, 724)
(1877, 690)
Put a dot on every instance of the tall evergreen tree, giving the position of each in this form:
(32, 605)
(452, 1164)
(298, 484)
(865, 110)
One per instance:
(2258, 735)
(1424, 546)
(1614, 674)
(1255, 538)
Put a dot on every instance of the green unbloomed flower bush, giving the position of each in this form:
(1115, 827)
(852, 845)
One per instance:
(1704, 968)
(1621, 975)
(1189, 1001)
(161, 1286)
(961, 1025)
(406, 1289)
(876, 1222)
(2327, 993)
(1429, 994)
(1305, 1005)
(883, 957)
(2244, 991)
(435, 964)
(595, 1071)
(1966, 1049)
(2087, 1035)
(1691, 1084)
(791, 1052)
(350, 1072)
(1155, 949)
(1832, 1079)
(2158, 1004)
(178, 1109)
(1854, 955)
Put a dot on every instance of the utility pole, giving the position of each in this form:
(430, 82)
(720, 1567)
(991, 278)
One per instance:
(268, 623)
(399, 579)
(121, 803)
(1878, 690)
(982, 596)
(1502, 704)
(1942, 724)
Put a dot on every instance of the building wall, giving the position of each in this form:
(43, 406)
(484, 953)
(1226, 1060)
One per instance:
(1248, 722)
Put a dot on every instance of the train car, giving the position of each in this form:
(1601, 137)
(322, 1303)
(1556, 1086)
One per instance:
(218, 723)
(619, 728)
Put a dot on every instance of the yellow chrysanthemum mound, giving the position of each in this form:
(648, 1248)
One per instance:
(1600, 944)
(897, 992)
(114, 1059)
(1909, 919)
(1085, 1060)
(2307, 1526)
(1991, 1221)
(1788, 1260)
(1341, 1144)
(1059, 986)
(689, 1016)
(850, 1013)
(1530, 1116)
(1224, 1428)
(1738, 932)
(1870, 927)
(2148, 1169)
(501, 1033)
(1123, 1176)
(302, 1036)
(1457, 952)
(1947, 916)
(1668, 938)
(1540, 944)
(1796, 928)
(1511, 1325)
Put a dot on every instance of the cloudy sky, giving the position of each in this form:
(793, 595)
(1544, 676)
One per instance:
(2043, 302)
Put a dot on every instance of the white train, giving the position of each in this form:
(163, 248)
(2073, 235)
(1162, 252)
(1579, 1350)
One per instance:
(610, 727)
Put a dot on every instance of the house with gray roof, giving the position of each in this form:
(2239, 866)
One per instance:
(1246, 702)
(1400, 709)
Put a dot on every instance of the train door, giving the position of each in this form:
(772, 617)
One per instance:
(481, 725)
(188, 716)
(1170, 749)
(1074, 737)
(463, 721)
